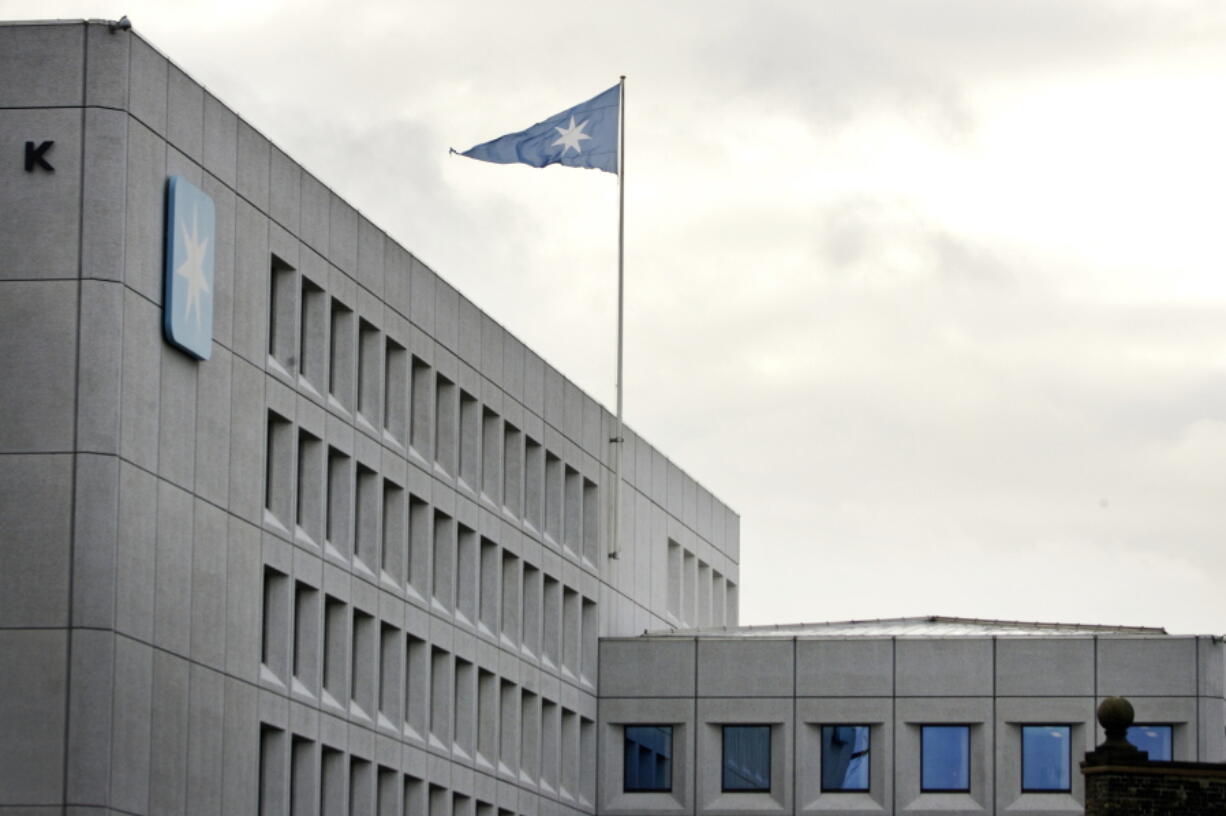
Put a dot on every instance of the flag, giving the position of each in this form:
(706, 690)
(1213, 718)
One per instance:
(582, 136)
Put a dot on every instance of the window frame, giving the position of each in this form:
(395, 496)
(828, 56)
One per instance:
(1068, 757)
(868, 759)
(969, 758)
(671, 728)
(723, 758)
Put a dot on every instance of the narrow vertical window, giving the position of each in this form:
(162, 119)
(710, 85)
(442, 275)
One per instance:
(534, 484)
(674, 579)
(845, 757)
(370, 370)
(530, 733)
(342, 363)
(689, 585)
(273, 789)
(572, 534)
(306, 638)
(466, 578)
(361, 787)
(469, 439)
(508, 731)
(303, 771)
(366, 519)
(362, 665)
(532, 602)
(282, 313)
(444, 561)
(570, 754)
(440, 801)
(446, 425)
(391, 661)
(587, 761)
(415, 802)
(487, 717)
(553, 497)
(591, 522)
(732, 608)
(422, 403)
(551, 756)
(464, 729)
(279, 470)
(308, 516)
(420, 544)
(491, 582)
(551, 626)
(336, 651)
(718, 601)
(395, 391)
(440, 698)
(395, 535)
(274, 646)
(387, 792)
(511, 609)
(703, 616)
(491, 456)
(332, 799)
(512, 470)
(416, 687)
(571, 625)
(591, 635)
(338, 505)
(313, 337)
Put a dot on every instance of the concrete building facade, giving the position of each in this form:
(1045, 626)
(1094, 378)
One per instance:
(354, 561)
(345, 552)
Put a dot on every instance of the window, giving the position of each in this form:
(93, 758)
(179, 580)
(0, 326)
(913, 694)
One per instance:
(1155, 739)
(747, 759)
(845, 757)
(1045, 757)
(649, 758)
(945, 758)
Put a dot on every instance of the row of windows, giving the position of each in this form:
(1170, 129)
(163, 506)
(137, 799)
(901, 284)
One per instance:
(400, 397)
(396, 539)
(698, 595)
(317, 646)
(300, 776)
(945, 757)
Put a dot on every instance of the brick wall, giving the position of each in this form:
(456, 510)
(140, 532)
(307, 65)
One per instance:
(1156, 789)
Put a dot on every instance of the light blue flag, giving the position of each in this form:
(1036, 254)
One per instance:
(582, 136)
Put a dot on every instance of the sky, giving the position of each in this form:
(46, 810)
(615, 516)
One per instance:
(929, 291)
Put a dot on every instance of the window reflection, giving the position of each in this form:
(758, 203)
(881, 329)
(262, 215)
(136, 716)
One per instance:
(845, 757)
(1155, 739)
(649, 758)
(1046, 756)
(945, 758)
(747, 758)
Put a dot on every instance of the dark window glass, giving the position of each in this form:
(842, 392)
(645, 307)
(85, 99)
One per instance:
(747, 758)
(845, 757)
(945, 758)
(649, 758)
(1156, 739)
(1045, 757)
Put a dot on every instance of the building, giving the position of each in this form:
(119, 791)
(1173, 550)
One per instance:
(355, 554)
(288, 525)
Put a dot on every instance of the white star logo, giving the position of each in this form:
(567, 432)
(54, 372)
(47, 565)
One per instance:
(192, 269)
(571, 136)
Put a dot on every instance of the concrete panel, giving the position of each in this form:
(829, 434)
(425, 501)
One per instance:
(130, 726)
(247, 426)
(343, 235)
(208, 609)
(249, 332)
(845, 668)
(878, 714)
(168, 747)
(910, 717)
(142, 357)
(148, 85)
(285, 191)
(1041, 666)
(1139, 666)
(315, 214)
(95, 531)
(38, 338)
(177, 417)
(41, 65)
(949, 667)
(185, 114)
(1011, 717)
(1211, 652)
(100, 371)
(397, 278)
(173, 570)
(220, 140)
(253, 168)
(647, 668)
(243, 601)
(106, 74)
(35, 529)
(212, 478)
(746, 667)
(134, 557)
(240, 749)
(102, 189)
(712, 716)
(371, 243)
(421, 296)
(90, 700)
(33, 689)
(145, 215)
(206, 721)
(615, 714)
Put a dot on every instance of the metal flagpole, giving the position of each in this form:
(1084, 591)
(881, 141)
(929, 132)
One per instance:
(616, 440)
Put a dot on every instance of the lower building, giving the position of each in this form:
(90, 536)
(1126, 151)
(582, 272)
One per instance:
(289, 526)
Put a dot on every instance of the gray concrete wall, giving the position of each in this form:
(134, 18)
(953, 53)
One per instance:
(181, 638)
(894, 685)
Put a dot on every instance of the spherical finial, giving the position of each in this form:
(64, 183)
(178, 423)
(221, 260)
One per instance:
(1115, 714)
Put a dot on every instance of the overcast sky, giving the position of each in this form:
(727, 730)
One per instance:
(931, 292)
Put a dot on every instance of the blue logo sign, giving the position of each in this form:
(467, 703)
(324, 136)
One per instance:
(187, 310)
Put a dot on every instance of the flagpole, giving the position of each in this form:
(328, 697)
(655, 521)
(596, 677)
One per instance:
(616, 440)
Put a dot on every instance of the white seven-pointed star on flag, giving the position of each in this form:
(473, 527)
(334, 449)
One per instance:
(192, 269)
(571, 136)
